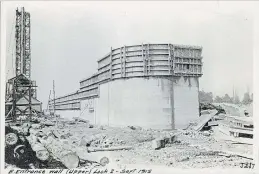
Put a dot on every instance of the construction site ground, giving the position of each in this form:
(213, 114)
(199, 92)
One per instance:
(132, 145)
(191, 149)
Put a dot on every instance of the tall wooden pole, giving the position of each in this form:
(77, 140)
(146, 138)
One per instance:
(54, 102)
(48, 101)
(30, 110)
(14, 102)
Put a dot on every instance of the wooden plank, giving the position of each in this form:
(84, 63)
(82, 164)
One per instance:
(110, 149)
(203, 120)
(213, 123)
(247, 156)
(224, 134)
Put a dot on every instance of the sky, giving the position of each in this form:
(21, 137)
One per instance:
(67, 39)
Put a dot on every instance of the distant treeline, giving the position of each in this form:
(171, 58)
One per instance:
(207, 97)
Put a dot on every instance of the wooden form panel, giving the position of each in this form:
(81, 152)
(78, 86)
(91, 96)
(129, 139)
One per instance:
(158, 57)
(143, 60)
(179, 59)
(188, 68)
(104, 69)
(73, 96)
(89, 81)
(158, 46)
(67, 102)
(116, 51)
(103, 62)
(71, 106)
(72, 101)
(134, 69)
(158, 52)
(188, 61)
(134, 48)
(66, 106)
(134, 53)
(104, 76)
(89, 93)
(159, 63)
(188, 52)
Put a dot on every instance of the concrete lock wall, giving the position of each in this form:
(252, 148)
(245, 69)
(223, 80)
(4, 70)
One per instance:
(148, 85)
(68, 114)
(88, 109)
(186, 101)
(137, 101)
(158, 103)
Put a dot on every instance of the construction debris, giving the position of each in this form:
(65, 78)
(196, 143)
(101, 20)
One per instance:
(157, 143)
(59, 143)
(78, 119)
(111, 148)
(203, 119)
(48, 145)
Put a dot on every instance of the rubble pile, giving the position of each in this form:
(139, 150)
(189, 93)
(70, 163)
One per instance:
(43, 145)
(58, 143)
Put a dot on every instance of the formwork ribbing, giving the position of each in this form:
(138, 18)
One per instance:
(150, 85)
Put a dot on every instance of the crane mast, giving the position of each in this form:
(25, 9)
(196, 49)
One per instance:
(21, 95)
(23, 43)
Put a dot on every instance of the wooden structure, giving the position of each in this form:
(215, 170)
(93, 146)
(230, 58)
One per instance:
(21, 90)
(236, 129)
(21, 98)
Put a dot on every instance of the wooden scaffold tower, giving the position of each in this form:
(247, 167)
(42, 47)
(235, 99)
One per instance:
(21, 95)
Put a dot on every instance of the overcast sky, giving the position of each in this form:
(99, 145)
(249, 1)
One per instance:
(67, 38)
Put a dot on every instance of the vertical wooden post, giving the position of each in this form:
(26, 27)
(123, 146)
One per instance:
(35, 91)
(111, 64)
(169, 58)
(143, 58)
(30, 93)
(48, 101)
(124, 61)
(54, 102)
(148, 59)
(121, 62)
(14, 101)
(173, 61)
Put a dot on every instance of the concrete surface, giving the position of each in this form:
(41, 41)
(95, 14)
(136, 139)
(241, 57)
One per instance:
(147, 102)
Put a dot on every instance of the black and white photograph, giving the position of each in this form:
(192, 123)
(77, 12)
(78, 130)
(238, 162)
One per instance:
(119, 84)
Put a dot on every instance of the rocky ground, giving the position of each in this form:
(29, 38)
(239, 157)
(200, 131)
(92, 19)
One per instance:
(191, 149)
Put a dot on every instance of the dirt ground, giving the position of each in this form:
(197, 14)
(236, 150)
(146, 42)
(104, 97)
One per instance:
(190, 150)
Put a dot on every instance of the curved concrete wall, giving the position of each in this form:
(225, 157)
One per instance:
(186, 100)
(159, 103)
(137, 101)
(148, 85)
